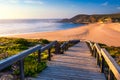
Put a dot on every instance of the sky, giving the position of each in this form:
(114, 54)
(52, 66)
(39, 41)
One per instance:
(42, 9)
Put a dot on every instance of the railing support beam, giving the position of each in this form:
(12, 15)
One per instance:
(98, 59)
(21, 66)
(49, 54)
(110, 75)
(102, 64)
(39, 56)
(57, 48)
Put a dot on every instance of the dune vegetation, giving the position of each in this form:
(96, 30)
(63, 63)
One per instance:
(12, 46)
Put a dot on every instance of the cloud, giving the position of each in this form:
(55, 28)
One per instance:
(118, 7)
(22, 1)
(105, 3)
(13, 1)
(33, 1)
(9, 1)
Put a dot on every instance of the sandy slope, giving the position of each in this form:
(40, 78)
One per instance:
(104, 33)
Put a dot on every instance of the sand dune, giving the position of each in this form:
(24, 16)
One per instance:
(103, 33)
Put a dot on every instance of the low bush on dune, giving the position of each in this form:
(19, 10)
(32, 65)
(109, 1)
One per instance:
(31, 67)
(15, 45)
(12, 46)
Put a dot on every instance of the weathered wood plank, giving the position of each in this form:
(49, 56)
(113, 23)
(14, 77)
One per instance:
(76, 64)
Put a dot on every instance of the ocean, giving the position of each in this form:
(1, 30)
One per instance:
(19, 26)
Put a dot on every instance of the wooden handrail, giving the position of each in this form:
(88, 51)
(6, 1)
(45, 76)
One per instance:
(48, 46)
(111, 63)
(20, 56)
(10, 60)
(103, 58)
(65, 45)
(98, 49)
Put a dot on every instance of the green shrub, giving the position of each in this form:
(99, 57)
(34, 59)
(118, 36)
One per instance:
(34, 69)
(44, 41)
(31, 66)
(22, 41)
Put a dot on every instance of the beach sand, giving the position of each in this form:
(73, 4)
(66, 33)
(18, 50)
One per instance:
(108, 33)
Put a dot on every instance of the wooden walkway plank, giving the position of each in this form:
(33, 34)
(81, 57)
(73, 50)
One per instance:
(76, 64)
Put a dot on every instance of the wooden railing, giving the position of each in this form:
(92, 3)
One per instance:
(20, 56)
(65, 45)
(107, 64)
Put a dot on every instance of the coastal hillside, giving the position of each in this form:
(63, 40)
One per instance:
(103, 18)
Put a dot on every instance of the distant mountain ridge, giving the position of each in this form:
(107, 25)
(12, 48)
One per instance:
(83, 18)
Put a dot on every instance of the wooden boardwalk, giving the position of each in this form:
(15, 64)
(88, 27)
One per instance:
(76, 64)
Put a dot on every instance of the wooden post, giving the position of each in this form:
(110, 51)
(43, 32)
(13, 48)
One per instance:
(98, 59)
(102, 64)
(62, 51)
(110, 75)
(93, 51)
(21, 66)
(39, 56)
(49, 55)
(57, 48)
(66, 46)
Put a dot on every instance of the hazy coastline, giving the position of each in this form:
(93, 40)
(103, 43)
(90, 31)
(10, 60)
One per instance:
(24, 26)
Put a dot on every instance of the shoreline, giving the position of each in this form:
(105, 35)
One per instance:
(102, 33)
(41, 31)
(7, 35)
